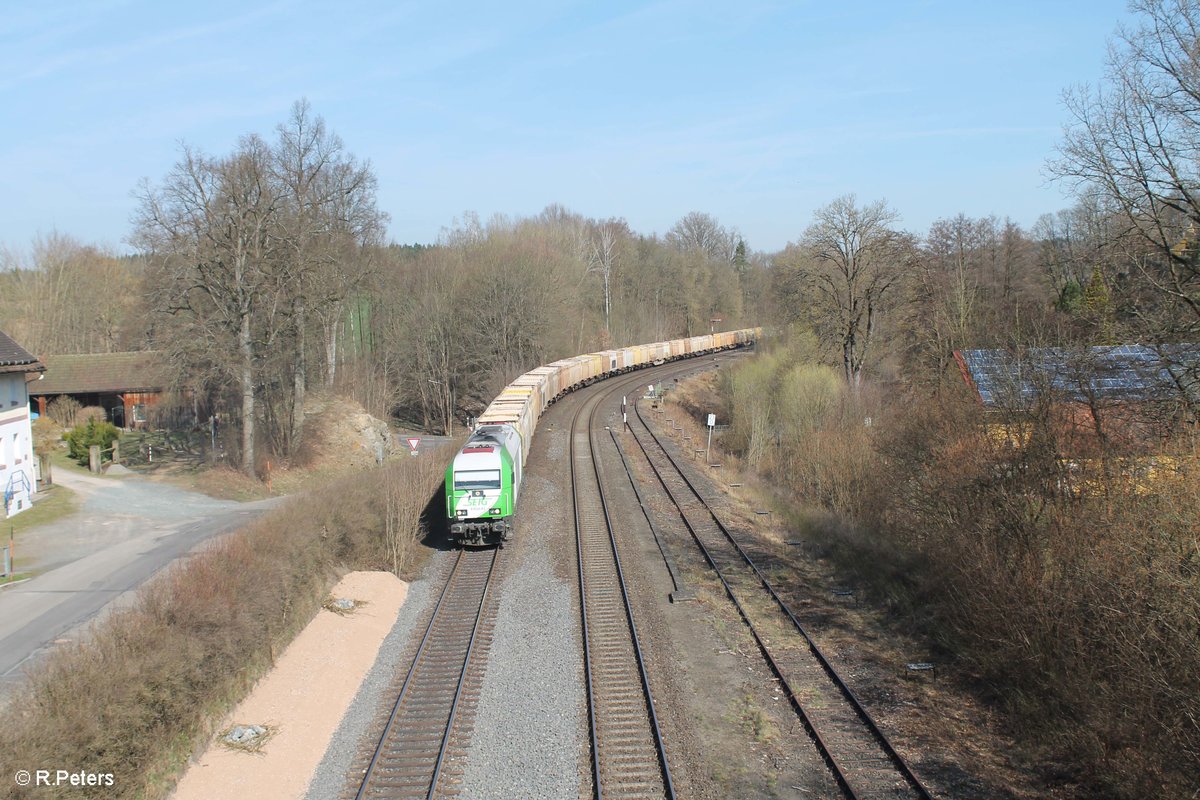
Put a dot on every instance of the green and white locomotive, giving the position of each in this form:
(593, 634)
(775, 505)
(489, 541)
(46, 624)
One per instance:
(482, 485)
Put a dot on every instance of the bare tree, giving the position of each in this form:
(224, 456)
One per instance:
(1134, 144)
(602, 259)
(699, 232)
(1077, 239)
(955, 245)
(71, 298)
(329, 213)
(849, 260)
(211, 230)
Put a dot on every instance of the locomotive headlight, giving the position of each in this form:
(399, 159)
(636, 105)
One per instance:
(462, 512)
(477, 493)
(494, 511)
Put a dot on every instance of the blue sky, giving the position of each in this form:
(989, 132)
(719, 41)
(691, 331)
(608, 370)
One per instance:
(754, 112)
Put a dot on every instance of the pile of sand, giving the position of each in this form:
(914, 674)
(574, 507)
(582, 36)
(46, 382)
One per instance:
(300, 702)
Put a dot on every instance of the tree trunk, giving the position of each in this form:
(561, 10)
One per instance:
(246, 345)
(332, 322)
(299, 379)
(607, 305)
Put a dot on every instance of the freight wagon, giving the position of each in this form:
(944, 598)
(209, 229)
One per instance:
(484, 479)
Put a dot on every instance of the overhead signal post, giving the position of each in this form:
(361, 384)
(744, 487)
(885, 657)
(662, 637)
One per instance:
(712, 423)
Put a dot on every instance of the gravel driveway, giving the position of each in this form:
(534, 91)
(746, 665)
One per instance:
(124, 532)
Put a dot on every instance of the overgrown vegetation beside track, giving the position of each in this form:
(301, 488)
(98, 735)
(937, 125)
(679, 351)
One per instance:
(1067, 590)
(1073, 594)
(138, 697)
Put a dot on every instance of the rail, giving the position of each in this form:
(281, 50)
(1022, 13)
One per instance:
(408, 759)
(621, 713)
(839, 739)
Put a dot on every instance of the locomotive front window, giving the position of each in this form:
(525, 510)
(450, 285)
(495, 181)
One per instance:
(477, 479)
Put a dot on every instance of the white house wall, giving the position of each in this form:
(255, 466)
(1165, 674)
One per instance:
(17, 473)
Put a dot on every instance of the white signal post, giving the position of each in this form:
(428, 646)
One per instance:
(712, 421)
(624, 414)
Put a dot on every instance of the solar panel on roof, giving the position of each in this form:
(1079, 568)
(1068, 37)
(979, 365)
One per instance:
(1122, 372)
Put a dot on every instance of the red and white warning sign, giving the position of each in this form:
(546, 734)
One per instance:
(413, 443)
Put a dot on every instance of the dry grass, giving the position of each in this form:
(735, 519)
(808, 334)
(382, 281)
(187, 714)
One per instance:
(1069, 592)
(1076, 613)
(223, 482)
(331, 605)
(254, 745)
(150, 683)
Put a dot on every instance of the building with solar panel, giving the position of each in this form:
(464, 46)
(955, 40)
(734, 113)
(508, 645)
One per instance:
(1124, 399)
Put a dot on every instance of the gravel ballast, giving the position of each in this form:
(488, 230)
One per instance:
(526, 739)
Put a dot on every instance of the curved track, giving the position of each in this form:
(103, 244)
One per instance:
(408, 760)
(628, 757)
(862, 760)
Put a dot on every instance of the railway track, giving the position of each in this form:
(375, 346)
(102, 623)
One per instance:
(426, 724)
(863, 762)
(628, 757)
(411, 757)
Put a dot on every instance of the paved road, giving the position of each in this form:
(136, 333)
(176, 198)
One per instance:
(125, 531)
(424, 442)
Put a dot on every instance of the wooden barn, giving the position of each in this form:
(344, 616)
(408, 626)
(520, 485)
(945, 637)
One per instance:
(125, 385)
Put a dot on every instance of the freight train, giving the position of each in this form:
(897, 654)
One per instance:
(484, 479)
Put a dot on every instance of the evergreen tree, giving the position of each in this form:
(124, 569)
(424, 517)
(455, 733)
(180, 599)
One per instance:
(740, 262)
(1098, 307)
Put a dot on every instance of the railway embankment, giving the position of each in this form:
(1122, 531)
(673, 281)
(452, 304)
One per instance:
(296, 707)
(153, 682)
(1057, 597)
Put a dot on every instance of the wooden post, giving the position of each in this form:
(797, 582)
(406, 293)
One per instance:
(94, 458)
(116, 452)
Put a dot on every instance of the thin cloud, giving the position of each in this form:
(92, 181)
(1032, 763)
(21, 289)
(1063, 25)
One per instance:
(109, 54)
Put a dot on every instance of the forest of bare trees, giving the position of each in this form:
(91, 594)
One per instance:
(263, 274)
(1049, 554)
(1038, 557)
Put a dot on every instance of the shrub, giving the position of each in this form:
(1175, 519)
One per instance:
(152, 680)
(1068, 587)
(91, 412)
(63, 410)
(92, 432)
(1070, 591)
(46, 434)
